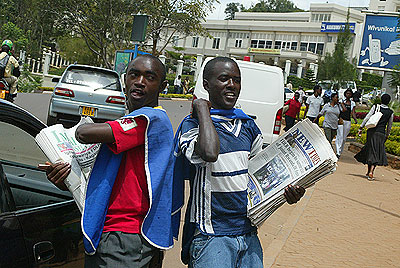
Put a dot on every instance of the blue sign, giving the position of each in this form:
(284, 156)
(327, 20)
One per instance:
(380, 48)
(335, 27)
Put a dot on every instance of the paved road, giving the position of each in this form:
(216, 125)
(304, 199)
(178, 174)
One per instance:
(38, 104)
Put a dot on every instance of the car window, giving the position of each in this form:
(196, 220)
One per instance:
(19, 156)
(91, 78)
(287, 90)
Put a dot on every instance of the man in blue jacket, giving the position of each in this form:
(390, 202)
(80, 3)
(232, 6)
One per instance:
(126, 220)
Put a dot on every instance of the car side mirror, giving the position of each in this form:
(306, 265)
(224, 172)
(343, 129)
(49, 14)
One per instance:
(55, 79)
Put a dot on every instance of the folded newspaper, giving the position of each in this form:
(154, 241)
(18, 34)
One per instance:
(60, 145)
(301, 156)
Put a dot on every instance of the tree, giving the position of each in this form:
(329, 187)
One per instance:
(178, 16)
(11, 31)
(104, 25)
(231, 8)
(309, 79)
(336, 66)
(274, 6)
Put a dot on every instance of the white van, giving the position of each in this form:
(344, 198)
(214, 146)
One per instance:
(261, 96)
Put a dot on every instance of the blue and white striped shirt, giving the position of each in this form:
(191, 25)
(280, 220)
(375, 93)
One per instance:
(219, 189)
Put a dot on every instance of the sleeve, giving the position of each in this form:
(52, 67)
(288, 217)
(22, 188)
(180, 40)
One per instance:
(353, 104)
(323, 111)
(308, 100)
(287, 103)
(188, 139)
(128, 133)
(389, 126)
(368, 116)
(257, 144)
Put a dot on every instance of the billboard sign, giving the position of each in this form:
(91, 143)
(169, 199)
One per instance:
(335, 27)
(379, 49)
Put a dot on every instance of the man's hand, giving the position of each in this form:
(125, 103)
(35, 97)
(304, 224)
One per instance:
(200, 105)
(293, 193)
(56, 173)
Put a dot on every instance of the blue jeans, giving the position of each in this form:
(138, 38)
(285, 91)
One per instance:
(226, 251)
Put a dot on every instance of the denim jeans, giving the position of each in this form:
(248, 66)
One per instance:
(240, 251)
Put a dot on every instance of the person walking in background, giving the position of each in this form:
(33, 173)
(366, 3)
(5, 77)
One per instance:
(331, 111)
(302, 94)
(178, 85)
(313, 104)
(347, 107)
(373, 153)
(289, 86)
(293, 112)
(186, 83)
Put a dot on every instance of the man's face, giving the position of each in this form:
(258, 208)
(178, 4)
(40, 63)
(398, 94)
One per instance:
(318, 92)
(348, 94)
(223, 85)
(296, 96)
(143, 83)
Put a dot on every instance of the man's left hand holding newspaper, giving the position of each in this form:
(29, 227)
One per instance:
(85, 134)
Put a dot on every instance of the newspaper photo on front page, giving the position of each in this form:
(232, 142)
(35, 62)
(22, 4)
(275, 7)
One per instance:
(60, 145)
(301, 157)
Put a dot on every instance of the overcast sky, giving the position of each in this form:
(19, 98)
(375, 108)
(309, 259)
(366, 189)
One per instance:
(218, 12)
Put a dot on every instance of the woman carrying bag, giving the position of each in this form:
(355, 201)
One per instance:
(331, 112)
(373, 153)
(347, 112)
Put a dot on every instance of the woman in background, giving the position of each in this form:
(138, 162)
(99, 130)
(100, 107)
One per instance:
(373, 153)
(331, 112)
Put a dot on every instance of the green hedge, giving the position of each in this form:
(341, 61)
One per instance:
(46, 88)
(182, 96)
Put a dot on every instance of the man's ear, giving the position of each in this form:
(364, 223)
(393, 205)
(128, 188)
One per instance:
(162, 86)
(206, 85)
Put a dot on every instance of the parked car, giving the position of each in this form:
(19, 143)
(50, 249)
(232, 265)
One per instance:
(261, 96)
(289, 94)
(39, 224)
(88, 91)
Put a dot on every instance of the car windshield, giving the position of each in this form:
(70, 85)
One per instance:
(92, 78)
(325, 85)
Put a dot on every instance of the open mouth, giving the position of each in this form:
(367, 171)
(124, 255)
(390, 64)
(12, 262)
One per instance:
(230, 95)
(137, 93)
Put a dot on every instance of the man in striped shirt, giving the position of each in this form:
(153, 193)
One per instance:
(218, 141)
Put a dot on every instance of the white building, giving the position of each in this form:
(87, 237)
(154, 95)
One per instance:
(385, 5)
(293, 40)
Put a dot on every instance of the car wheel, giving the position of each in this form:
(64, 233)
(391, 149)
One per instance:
(51, 120)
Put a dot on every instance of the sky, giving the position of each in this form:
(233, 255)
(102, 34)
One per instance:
(218, 12)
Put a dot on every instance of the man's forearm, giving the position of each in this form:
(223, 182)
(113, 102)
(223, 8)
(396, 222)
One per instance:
(207, 145)
(94, 133)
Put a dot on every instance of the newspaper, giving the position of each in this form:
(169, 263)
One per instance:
(60, 145)
(301, 156)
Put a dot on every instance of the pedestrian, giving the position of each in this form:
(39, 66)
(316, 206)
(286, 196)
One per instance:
(373, 153)
(301, 94)
(11, 71)
(293, 112)
(178, 85)
(165, 91)
(289, 86)
(314, 104)
(216, 143)
(126, 220)
(186, 83)
(348, 111)
(331, 112)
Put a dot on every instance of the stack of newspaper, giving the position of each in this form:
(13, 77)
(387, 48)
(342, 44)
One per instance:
(60, 145)
(301, 156)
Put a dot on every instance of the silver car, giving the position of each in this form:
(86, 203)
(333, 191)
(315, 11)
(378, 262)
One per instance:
(86, 91)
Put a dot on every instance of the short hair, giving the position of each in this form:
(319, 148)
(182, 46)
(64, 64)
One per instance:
(209, 68)
(348, 90)
(385, 99)
(316, 87)
(158, 61)
(5, 48)
(333, 95)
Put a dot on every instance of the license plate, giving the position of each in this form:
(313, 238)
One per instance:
(2, 94)
(89, 111)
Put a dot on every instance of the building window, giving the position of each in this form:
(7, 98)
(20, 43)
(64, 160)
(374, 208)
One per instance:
(294, 46)
(381, 8)
(320, 48)
(253, 43)
(303, 46)
(261, 44)
(268, 44)
(238, 43)
(311, 47)
(216, 41)
(278, 44)
(175, 39)
(195, 41)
